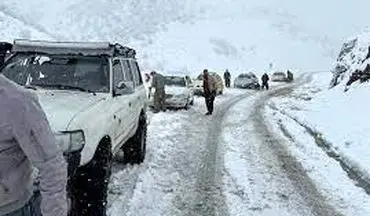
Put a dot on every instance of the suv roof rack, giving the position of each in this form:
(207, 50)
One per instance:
(73, 48)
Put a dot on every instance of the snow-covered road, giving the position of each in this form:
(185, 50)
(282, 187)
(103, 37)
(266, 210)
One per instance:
(181, 173)
(229, 164)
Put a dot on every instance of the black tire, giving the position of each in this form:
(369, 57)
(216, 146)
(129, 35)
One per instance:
(135, 148)
(192, 102)
(89, 185)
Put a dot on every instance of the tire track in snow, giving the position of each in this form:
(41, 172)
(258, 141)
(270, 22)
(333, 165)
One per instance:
(176, 164)
(295, 171)
(360, 177)
(210, 199)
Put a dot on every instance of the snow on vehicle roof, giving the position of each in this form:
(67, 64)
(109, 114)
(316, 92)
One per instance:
(73, 48)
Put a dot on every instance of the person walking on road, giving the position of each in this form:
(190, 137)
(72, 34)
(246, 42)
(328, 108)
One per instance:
(209, 88)
(26, 141)
(265, 78)
(158, 83)
(227, 78)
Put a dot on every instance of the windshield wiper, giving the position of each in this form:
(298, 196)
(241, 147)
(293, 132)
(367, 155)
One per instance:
(63, 86)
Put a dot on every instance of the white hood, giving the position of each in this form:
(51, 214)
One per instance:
(62, 106)
(176, 90)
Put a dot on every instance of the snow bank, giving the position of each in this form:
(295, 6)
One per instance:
(340, 117)
(326, 172)
(353, 56)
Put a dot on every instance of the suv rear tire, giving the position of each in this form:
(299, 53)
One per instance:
(135, 148)
(89, 185)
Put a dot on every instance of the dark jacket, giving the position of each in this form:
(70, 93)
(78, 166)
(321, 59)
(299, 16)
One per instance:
(265, 78)
(158, 82)
(209, 85)
(227, 75)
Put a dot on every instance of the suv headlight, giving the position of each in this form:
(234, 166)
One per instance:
(70, 141)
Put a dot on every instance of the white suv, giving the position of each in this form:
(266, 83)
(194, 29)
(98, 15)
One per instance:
(95, 101)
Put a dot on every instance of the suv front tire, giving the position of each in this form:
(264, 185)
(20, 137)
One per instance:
(135, 148)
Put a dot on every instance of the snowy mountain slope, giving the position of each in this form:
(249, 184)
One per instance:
(190, 35)
(99, 20)
(18, 28)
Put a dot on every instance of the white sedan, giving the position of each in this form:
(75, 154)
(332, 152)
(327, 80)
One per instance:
(278, 77)
(179, 92)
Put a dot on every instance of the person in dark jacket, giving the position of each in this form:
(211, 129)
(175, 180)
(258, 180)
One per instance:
(227, 77)
(4, 48)
(27, 141)
(209, 88)
(289, 76)
(158, 83)
(265, 78)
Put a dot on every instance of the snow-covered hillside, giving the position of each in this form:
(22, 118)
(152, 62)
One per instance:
(353, 56)
(179, 36)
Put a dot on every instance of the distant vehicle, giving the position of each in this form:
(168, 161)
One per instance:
(179, 92)
(247, 81)
(278, 77)
(198, 84)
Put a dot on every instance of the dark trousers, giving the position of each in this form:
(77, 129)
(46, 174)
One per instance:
(210, 98)
(265, 85)
(227, 82)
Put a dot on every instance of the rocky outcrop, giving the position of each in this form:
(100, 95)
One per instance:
(352, 61)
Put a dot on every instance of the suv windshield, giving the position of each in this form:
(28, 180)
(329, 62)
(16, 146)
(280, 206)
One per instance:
(59, 72)
(175, 81)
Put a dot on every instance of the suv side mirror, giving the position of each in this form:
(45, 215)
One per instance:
(124, 87)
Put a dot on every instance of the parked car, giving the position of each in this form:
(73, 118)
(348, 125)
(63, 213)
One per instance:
(198, 84)
(247, 81)
(95, 100)
(179, 93)
(278, 77)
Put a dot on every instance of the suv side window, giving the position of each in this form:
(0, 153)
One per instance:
(117, 72)
(136, 71)
(127, 73)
